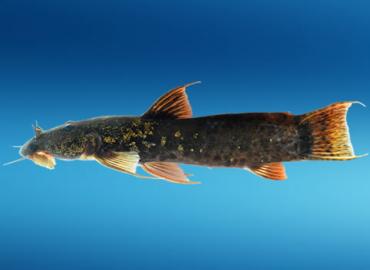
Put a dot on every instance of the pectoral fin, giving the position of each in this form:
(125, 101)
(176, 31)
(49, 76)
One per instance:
(125, 162)
(43, 159)
(167, 171)
(273, 171)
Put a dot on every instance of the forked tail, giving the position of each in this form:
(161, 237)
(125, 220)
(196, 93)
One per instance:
(328, 133)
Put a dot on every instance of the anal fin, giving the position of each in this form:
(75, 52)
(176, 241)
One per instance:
(167, 171)
(273, 171)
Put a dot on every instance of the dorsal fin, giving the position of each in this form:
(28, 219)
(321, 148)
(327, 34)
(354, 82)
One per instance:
(173, 105)
(273, 171)
(168, 171)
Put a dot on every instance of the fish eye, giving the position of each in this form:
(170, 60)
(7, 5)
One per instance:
(33, 147)
(68, 128)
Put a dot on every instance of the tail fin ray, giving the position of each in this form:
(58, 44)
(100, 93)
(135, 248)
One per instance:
(330, 133)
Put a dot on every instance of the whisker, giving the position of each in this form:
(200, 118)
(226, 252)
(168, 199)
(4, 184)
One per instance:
(14, 161)
(17, 146)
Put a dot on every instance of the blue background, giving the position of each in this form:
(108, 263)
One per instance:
(70, 60)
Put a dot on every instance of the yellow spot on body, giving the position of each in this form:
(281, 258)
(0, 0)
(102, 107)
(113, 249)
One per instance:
(180, 148)
(191, 150)
(195, 135)
(133, 147)
(136, 132)
(139, 133)
(148, 144)
(109, 140)
(178, 134)
(201, 150)
(147, 126)
(239, 147)
(129, 133)
(163, 141)
(136, 122)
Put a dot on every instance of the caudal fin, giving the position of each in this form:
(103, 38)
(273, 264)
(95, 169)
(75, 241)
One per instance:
(330, 138)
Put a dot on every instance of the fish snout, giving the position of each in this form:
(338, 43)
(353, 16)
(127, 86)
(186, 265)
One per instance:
(28, 148)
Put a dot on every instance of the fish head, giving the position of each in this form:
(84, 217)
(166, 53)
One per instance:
(67, 142)
(34, 150)
(63, 142)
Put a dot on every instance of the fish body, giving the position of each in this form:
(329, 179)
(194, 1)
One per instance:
(167, 135)
(216, 141)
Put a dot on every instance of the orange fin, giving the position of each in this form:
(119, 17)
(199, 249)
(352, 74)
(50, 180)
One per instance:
(125, 162)
(273, 171)
(175, 104)
(330, 133)
(167, 171)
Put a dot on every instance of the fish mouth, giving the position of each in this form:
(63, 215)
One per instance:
(43, 159)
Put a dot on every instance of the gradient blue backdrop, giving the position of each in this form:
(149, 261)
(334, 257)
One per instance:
(70, 60)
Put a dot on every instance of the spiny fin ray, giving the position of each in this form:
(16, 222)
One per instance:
(173, 105)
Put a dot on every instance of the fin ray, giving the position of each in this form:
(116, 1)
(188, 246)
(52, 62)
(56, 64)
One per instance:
(329, 132)
(174, 104)
(273, 171)
(125, 162)
(167, 171)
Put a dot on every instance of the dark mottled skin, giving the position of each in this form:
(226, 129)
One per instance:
(234, 140)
